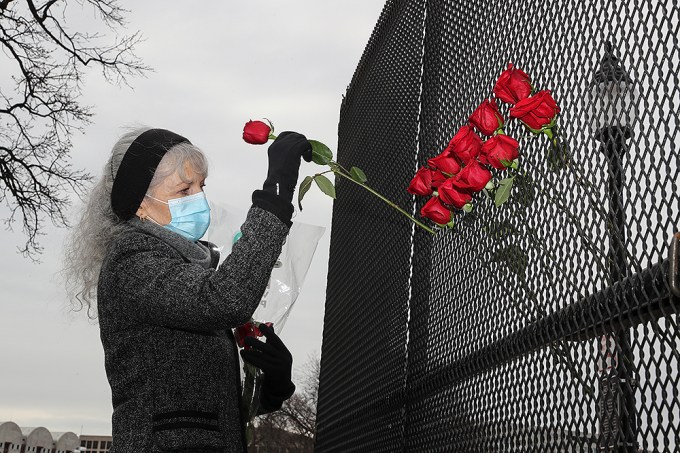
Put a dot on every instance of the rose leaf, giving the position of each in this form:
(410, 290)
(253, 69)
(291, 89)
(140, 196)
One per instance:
(503, 192)
(325, 185)
(358, 175)
(321, 154)
(304, 187)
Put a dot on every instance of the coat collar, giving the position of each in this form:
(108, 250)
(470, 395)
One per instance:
(193, 252)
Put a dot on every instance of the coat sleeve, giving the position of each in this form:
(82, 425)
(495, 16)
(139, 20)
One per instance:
(164, 290)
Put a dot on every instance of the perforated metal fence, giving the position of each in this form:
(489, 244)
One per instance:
(547, 324)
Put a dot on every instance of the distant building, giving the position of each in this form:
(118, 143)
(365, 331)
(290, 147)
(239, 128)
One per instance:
(37, 440)
(11, 437)
(65, 441)
(95, 444)
(16, 439)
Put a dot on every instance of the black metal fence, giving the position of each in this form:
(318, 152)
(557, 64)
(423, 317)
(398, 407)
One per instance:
(547, 324)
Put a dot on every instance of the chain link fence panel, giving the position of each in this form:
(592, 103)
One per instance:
(547, 324)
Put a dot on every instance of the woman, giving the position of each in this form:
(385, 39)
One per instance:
(165, 312)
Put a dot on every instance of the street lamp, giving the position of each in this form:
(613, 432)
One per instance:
(613, 100)
(612, 112)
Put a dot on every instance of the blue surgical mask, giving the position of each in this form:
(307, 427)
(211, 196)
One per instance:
(190, 216)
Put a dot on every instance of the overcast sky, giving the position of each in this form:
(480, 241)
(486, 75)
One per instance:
(216, 65)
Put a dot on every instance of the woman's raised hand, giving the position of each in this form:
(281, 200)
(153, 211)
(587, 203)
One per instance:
(284, 163)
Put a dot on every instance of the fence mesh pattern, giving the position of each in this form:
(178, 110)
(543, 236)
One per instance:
(547, 324)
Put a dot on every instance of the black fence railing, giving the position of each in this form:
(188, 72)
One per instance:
(548, 324)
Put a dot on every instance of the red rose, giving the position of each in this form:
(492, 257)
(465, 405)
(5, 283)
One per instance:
(452, 196)
(438, 178)
(436, 211)
(513, 85)
(473, 177)
(486, 118)
(465, 145)
(248, 329)
(445, 162)
(536, 111)
(421, 184)
(499, 148)
(425, 181)
(256, 132)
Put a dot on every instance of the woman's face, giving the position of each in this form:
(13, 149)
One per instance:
(171, 187)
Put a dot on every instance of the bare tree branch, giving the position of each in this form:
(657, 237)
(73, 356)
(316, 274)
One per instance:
(4, 3)
(39, 105)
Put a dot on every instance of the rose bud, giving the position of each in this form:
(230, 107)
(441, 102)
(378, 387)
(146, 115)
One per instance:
(473, 177)
(465, 145)
(421, 184)
(513, 85)
(256, 132)
(499, 148)
(445, 162)
(537, 111)
(436, 211)
(486, 118)
(452, 196)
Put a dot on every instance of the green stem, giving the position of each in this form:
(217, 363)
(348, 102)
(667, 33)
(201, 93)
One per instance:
(582, 180)
(390, 203)
(608, 222)
(248, 391)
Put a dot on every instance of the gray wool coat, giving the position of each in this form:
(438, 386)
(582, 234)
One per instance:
(165, 318)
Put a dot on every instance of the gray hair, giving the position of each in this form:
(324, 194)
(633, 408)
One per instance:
(86, 246)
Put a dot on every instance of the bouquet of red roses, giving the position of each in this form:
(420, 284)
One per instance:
(462, 170)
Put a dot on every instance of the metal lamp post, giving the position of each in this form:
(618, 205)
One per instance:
(613, 100)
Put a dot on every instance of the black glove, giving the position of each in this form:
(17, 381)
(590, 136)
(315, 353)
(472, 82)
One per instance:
(284, 163)
(276, 362)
